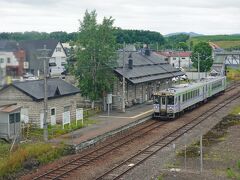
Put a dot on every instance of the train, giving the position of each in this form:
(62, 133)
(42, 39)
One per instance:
(172, 102)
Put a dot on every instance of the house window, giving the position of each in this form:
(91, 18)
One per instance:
(174, 58)
(66, 108)
(53, 112)
(58, 49)
(1, 60)
(13, 118)
(8, 60)
(183, 58)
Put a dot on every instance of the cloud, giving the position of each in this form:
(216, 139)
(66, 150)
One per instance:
(205, 16)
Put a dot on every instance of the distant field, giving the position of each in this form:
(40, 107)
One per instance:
(224, 41)
(227, 44)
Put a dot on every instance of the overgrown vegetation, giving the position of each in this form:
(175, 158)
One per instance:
(234, 174)
(233, 74)
(27, 156)
(216, 135)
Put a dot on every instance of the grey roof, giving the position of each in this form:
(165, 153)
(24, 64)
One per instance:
(7, 45)
(145, 68)
(56, 88)
(31, 47)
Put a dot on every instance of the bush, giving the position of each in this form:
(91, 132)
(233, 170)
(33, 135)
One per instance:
(40, 152)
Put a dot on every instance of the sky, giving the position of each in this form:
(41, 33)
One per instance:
(164, 16)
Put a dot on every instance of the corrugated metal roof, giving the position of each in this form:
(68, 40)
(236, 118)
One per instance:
(9, 108)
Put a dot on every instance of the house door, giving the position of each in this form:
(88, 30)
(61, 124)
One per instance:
(53, 116)
(14, 122)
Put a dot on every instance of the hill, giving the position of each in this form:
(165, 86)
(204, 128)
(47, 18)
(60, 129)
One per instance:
(223, 41)
(191, 34)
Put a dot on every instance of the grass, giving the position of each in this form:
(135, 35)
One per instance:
(232, 173)
(233, 74)
(57, 130)
(24, 156)
(236, 111)
(227, 44)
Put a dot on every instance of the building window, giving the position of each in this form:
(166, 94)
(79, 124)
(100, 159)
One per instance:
(53, 112)
(66, 108)
(174, 58)
(1, 60)
(13, 118)
(58, 49)
(8, 60)
(183, 58)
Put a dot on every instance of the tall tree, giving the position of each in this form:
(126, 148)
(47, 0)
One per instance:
(202, 52)
(95, 56)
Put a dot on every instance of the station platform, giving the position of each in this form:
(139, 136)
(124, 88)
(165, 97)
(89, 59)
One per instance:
(105, 126)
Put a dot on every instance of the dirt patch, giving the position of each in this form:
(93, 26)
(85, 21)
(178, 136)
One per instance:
(221, 156)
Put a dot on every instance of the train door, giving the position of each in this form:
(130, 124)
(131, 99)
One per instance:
(164, 104)
(203, 92)
(179, 103)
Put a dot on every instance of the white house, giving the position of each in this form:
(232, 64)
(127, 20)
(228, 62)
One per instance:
(57, 54)
(58, 60)
(177, 58)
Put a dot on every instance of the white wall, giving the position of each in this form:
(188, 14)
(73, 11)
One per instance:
(4, 57)
(59, 58)
(194, 75)
(184, 61)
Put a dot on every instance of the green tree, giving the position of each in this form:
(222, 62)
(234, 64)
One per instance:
(182, 46)
(203, 51)
(95, 56)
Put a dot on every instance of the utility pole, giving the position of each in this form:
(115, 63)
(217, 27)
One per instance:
(179, 64)
(198, 67)
(201, 154)
(123, 80)
(43, 54)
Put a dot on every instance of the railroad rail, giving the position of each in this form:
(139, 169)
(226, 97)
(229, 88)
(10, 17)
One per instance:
(124, 167)
(110, 145)
(81, 161)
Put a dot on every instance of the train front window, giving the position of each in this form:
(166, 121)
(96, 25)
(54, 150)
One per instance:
(156, 99)
(170, 100)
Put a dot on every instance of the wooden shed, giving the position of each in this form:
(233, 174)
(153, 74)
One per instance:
(10, 124)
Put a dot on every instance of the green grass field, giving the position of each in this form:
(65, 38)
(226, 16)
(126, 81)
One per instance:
(224, 41)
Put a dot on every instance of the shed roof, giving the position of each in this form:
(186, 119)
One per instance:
(9, 108)
(56, 88)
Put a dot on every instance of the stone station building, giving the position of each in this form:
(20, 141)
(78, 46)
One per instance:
(145, 72)
(62, 97)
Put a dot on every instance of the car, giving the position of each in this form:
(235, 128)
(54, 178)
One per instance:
(184, 77)
(27, 75)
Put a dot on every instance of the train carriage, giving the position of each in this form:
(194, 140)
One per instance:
(169, 103)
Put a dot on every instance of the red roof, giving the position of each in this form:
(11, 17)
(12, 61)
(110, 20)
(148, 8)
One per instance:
(175, 54)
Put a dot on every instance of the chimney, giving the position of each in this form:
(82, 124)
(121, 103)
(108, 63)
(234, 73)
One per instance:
(130, 61)
(146, 50)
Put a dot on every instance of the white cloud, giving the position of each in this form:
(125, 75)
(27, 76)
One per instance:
(205, 16)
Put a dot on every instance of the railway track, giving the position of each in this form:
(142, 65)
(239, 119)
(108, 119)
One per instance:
(124, 167)
(65, 169)
(110, 145)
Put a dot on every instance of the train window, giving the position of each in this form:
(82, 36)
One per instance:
(163, 100)
(170, 100)
(156, 99)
